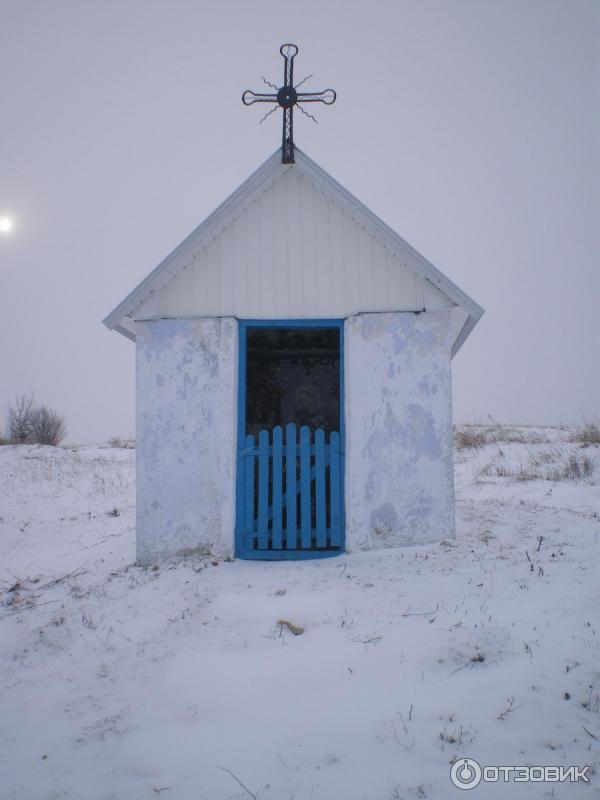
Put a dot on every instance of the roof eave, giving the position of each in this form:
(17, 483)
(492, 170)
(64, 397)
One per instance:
(464, 332)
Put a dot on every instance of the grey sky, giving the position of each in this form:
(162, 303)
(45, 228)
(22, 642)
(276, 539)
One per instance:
(470, 127)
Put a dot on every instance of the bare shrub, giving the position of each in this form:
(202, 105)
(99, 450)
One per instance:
(48, 427)
(20, 419)
(29, 423)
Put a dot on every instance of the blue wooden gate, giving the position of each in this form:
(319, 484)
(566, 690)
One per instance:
(292, 494)
(290, 482)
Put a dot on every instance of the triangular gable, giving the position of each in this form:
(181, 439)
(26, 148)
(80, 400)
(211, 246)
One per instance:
(272, 249)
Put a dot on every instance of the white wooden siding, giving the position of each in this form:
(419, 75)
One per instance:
(292, 252)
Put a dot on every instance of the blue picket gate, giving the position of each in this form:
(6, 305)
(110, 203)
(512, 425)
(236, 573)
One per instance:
(292, 494)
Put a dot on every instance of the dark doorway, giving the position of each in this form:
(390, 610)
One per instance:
(292, 375)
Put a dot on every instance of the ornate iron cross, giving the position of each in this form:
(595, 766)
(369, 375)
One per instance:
(287, 97)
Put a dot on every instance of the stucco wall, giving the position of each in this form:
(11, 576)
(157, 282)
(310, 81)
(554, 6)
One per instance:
(399, 473)
(186, 418)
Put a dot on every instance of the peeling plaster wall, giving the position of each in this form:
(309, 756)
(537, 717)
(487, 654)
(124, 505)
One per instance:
(186, 423)
(399, 468)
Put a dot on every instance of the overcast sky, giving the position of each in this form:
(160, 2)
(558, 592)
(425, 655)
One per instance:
(470, 127)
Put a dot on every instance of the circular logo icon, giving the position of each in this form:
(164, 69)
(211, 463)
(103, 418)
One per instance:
(465, 773)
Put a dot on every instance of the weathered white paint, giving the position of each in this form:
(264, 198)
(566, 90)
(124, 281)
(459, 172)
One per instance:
(291, 242)
(399, 476)
(186, 437)
(292, 253)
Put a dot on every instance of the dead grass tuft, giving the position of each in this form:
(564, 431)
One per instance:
(469, 437)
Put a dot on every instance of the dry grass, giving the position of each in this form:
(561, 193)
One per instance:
(575, 468)
(549, 465)
(469, 437)
(466, 436)
(588, 434)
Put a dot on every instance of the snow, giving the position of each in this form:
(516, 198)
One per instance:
(123, 682)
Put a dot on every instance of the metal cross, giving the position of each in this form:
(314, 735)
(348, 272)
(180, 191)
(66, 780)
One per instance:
(287, 97)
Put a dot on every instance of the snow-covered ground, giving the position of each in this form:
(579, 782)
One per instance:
(177, 682)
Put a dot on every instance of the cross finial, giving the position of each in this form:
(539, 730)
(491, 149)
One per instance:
(287, 97)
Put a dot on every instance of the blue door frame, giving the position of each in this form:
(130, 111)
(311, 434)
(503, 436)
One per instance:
(241, 551)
